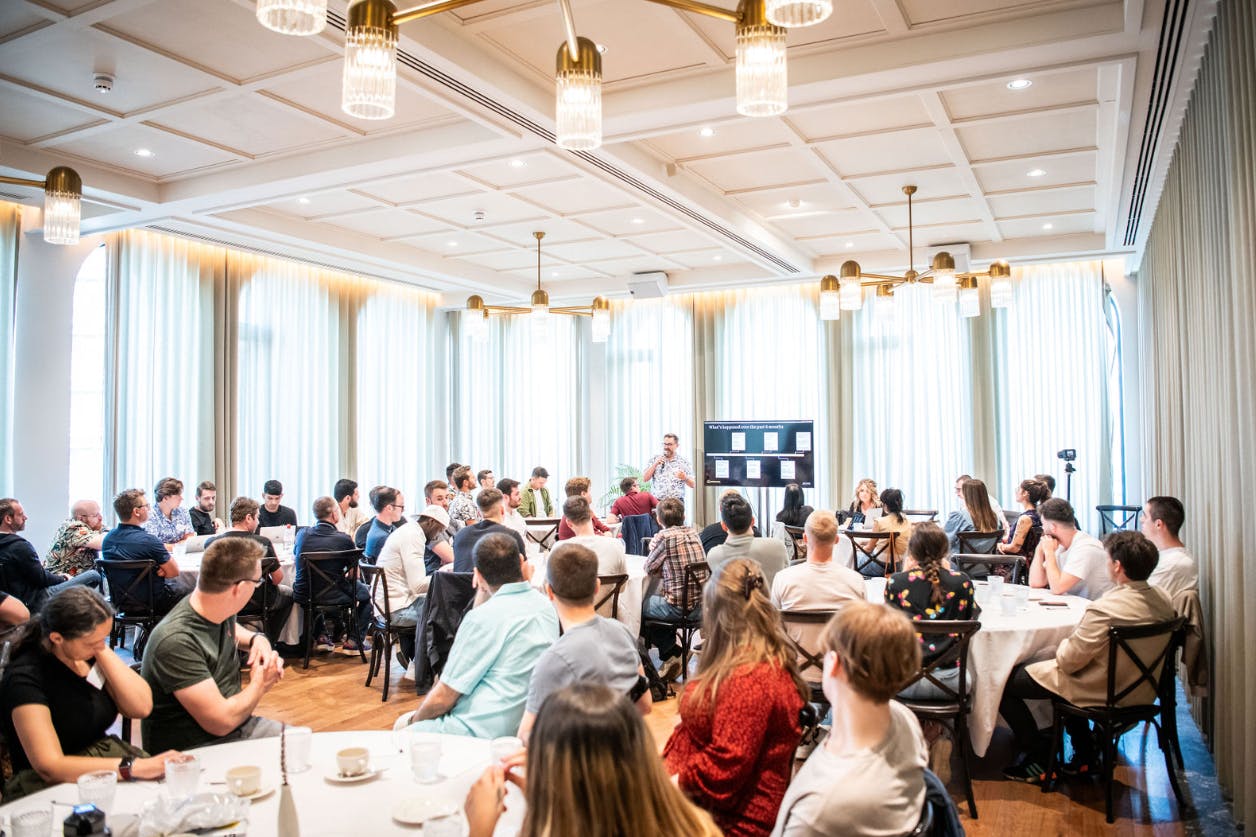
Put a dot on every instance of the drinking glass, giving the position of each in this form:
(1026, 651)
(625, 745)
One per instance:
(425, 757)
(32, 823)
(183, 775)
(1022, 595)
(98, 788)
(297, 741)
(1008, 604)
(505, 747)
(996, 585)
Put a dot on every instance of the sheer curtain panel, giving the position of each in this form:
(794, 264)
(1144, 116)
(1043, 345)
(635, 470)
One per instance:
(10, 230)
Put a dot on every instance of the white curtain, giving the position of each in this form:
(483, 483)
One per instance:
(88, 380)
(398, 405)
(911, 404)
(518, 400)
(10, 230)
(158, 405)
(1050, 352)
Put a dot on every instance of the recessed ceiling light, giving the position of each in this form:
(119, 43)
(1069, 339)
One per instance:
(1048, 226)
(553, 274)
(793, 203)
(1035, 173)
(517, 163)
(716, 258)
(850, 244)
(451, 244)
(638, 220)
(1019, 84)
(303, 200)
(144, 152)
(708, 131)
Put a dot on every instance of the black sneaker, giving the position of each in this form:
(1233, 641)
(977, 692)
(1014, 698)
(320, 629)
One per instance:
(1081, 767)
(1026, 769)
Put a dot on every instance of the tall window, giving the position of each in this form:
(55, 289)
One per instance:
(1116, 395)
(87, 380)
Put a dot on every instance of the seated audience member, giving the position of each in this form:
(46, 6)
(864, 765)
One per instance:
(714, 534)
(633, 500)
(390, 511)
(1079, 672)
(483, 690)
(22, 574)
(128, 541)
(1068, 560)
(490, 513)
(462, 506)
(1049, 482)
(579, 487)
(402, 561)
(1176, 571)
(893, 520)
(485, 479)
(449, 471)
(536, 501)
(511, 518)
(794, 512)
(733, 751)
(592, 767)
(579, 519)
(364, 529)
(202, 514)
(867, 778)
(192, 663)
(12, 612)
(1024, 537)
(323, 536)
(62, 690)
(591, 648)
(272, 513)
(975, 514)
(866, 505)
(738, 519)
(76, 546)
(168, 521)
(439, 551)
(271, 591)
(816, 584)
(674, 548)
(345, 493)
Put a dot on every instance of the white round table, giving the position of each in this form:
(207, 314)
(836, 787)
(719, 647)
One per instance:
(324, 808)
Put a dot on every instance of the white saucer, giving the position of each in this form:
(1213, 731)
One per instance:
(419, 809)
(351, 780)
(263, 791)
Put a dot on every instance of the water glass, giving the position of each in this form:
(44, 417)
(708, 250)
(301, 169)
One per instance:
(996, 585)
(1008, 604)
(505, 747)
(1022, 595)
(297, 743)
(183, 775)
(425, 757)
(98, 788)
(981, 592)
(32, 823)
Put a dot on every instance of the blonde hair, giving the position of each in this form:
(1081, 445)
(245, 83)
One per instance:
(871, 485)
(876, 646)
(977, 501)
(740, 627)
(593, 770)
(822, 525)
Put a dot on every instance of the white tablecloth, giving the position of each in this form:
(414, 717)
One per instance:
(631, 597)
(190, 571)
(325, 809)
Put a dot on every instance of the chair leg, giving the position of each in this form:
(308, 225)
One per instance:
(961, 741)
(1057, 744)
(1168, 720)
(1109, 765)
(685, 639)
(1167, 749)
(309, 620)
(373, 666)
(386, 660)
(361, 637)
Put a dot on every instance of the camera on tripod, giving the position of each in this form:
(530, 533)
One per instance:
(1068, 454)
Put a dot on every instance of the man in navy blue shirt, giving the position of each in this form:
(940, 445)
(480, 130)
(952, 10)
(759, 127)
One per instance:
(128, 541)
(325, 537)
(22, 575)
(491, 510)
(390, 509)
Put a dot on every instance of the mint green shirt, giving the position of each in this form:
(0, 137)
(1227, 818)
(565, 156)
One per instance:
(491, 662)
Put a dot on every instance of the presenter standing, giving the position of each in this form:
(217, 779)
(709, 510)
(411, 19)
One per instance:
(670, 473)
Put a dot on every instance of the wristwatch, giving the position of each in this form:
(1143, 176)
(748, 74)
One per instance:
(124, 769)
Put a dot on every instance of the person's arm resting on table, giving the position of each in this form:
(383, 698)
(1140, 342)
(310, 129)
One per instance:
(220, 715)
(1050, 575)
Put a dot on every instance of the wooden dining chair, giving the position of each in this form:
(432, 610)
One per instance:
(797, 535)
(873, 552)
(979, 543)
(612, 586)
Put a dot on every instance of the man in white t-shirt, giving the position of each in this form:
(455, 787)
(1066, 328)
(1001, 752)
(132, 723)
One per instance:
(1177, 570)
(1068, 560)
(609, 551)
(816, 584)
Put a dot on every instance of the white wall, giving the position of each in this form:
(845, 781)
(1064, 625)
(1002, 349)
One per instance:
(41, 398)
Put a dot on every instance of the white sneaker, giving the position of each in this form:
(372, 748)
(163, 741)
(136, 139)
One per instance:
(670, 669)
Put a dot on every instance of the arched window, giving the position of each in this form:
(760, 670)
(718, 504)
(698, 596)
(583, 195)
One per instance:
(87, 380)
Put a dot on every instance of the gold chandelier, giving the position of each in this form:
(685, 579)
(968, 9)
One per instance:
(846, 293)
(63, 203)
(370, 71)
(477, 311)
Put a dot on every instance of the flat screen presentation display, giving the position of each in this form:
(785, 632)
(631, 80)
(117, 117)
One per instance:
(763, 454)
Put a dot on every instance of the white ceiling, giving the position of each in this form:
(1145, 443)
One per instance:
(250, 145)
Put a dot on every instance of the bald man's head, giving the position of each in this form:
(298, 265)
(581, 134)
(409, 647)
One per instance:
(88, 512)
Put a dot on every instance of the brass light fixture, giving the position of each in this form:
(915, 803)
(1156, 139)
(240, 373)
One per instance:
(63, 203)
(538, 310)
(370, 72)
(845, 292)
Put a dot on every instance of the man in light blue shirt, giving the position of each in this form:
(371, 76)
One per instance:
(484, 687)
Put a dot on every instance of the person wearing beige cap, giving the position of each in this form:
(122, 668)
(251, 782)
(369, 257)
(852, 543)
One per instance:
(401, 561)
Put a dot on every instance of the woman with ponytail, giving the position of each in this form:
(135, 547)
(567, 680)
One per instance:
(733, 752)
(1024, 537)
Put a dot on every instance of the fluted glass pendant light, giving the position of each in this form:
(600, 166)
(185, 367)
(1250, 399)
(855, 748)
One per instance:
(944, 285)
(850, 293)
(1000, 285)
(370, 74)
(578, 96)
(830, 298)
(475, 318)
(293, 17)
(884, 305)
(969, 298)
(796, 13)
(63, 204)
(762, 77)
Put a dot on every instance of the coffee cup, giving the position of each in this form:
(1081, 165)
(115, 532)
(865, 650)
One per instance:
(353, 761)
(245, 780)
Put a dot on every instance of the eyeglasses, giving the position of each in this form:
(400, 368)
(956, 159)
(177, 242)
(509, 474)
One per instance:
(256, 582)
(397, 507)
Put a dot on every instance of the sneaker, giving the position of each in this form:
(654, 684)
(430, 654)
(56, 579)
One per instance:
(1080, 767)
(324, 643)
(940, 758)
(670, 669)
(1027, 769)
(351, 646)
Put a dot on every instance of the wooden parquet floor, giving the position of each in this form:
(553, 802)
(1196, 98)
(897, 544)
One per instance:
(331, 696)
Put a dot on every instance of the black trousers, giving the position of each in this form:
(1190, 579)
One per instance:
(1020, 688)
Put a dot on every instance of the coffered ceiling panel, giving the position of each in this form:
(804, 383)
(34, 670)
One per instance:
(171, 155)
(1048, 225)
(698, 259)
(251, 124)
(676, 241)
(417, 187)
(624, 267)
(936, 182)
(1029, 135)
(556, 231)
(868, 154)
(931, 236)
(590, 251)
(815, 197)
(628, 221)
(321, 205)
(1046, 90)
(850, 118)
(318, 91)
(388, 223)
(521, 170)
(851, 19)
(15, 17)
(1056, 171)
(27, 118)
(757, 169)
(455, 244)
(736, 136)
(568, 199)
(928, 11)
(850, 246)
(930, 211)
(511, 260)
(460, 211)
(1042, 202)
(822, 223)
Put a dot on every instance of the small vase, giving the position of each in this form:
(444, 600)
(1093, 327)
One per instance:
(289, 826)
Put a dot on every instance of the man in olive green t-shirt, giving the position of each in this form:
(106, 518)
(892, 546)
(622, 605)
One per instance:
(191, 661)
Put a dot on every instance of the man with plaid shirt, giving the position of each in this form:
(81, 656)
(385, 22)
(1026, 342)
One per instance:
(674, 548)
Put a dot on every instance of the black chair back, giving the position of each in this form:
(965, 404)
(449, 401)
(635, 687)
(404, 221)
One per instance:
(692, 573)
(449, 598)
(328, 571)
(979, 543)
(796, 534)
(807, 658)
(1114, 518)
(612, 586)
(977, 566)
(952, 638)
(377, 580)
(920, 515)
(873, 552)
(1153, 670)
(131, 595)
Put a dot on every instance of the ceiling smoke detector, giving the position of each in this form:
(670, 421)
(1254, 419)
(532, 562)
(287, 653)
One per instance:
(102, 82)
(479, 215)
